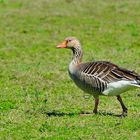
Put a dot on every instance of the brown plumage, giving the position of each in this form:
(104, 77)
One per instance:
(99, 77)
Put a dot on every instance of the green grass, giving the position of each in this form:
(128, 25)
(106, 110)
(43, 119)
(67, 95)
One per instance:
(38, 100)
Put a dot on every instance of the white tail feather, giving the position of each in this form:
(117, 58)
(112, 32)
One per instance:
(116, 88)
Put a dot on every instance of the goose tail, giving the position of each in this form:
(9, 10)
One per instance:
(138, 78)
(137, 84)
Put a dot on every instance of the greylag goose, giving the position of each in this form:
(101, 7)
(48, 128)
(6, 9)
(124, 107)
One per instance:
(99, 77)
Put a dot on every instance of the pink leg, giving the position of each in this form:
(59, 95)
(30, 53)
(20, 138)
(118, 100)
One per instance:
(96, 105)
(122, 105)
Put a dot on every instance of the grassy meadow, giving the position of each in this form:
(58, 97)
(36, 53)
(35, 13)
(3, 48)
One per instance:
(38, 100)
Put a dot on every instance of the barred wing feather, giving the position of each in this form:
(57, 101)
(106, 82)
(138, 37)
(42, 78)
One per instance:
(100, 73)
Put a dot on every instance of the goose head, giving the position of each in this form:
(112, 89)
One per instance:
(70, 43)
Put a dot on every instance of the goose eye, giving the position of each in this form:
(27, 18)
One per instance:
(69, 40)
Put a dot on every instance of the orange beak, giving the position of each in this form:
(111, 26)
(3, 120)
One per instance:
(62, 45)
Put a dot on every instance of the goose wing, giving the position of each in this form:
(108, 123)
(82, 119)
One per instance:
(107, 71)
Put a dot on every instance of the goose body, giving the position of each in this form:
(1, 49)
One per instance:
(102, 78)
(99, 77)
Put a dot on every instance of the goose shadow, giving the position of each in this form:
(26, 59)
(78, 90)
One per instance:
(111, 114)
(61, 114)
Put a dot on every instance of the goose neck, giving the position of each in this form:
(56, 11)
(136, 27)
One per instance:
(77, 55)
